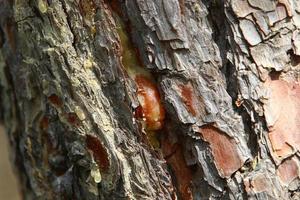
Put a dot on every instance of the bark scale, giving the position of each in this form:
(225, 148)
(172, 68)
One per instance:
(226, 73)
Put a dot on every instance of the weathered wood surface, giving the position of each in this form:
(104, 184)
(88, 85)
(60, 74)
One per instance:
(227, 73)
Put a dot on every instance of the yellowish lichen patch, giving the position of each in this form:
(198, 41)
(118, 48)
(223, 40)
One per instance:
(88, 63)
(42, 5)
(79, 112)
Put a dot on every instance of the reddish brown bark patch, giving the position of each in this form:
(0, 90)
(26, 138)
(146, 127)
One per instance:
(282, 113)
(55, 100)
(10, 34)
(274, 75)
(138, 113)
(224, 150)
(175, 158)
(115, 6)
(44, 123)
(182, 7)
(188, 98)
(72, 119)
(99, 152)
(288, 171)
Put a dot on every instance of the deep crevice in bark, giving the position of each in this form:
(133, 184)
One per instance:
(217, 18)
(67, 15)
(98, 76)
(295, 59)
(2, 41)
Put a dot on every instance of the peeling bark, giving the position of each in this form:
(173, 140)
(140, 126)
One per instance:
(139, 99)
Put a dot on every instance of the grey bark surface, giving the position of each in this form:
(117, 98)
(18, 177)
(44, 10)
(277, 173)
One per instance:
(68, 104)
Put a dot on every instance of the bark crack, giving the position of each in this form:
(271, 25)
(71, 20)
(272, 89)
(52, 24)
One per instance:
(26, 18)
(69, 22)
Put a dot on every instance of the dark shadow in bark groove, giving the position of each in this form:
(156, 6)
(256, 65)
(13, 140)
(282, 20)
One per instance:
(252, 139)
(295, 59)
(274, 75)
(2, 39)
(217, 16)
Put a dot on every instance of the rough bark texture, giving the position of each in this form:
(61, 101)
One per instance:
(227, 74)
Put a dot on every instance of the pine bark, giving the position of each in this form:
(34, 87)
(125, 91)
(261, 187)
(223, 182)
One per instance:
(226, 72)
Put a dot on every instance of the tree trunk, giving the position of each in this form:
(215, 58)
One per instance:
(141, 99)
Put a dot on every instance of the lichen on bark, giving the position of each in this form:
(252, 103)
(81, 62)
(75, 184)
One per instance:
(219, 70)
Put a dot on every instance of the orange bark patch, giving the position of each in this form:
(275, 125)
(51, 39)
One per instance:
(282, 113)
(188, 98)
(152, 110)
(224, 150)
(288, 171)
(55, 100)
(175, 158)
(99, 153)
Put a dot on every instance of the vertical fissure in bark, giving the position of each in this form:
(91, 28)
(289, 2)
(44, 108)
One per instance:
(216, 17)
(174, 154)
(2, 41)
(243, 106)
(175, 159)
(220, 33)
(67, 15)
(147, 89)
(79, 114)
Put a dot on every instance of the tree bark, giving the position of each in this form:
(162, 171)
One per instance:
(140, 99)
